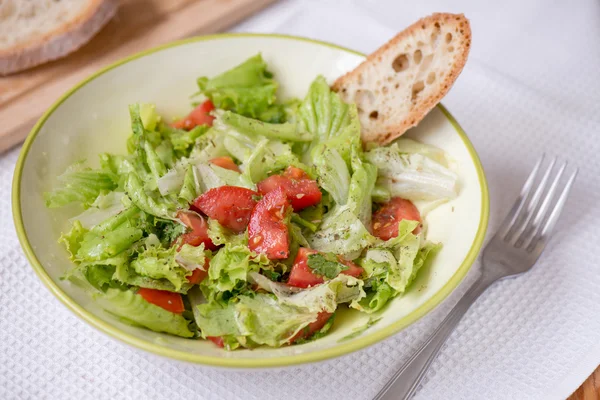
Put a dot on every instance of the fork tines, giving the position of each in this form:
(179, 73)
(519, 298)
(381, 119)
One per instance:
(542, 198)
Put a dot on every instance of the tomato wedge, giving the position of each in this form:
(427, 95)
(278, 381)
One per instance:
(218, 340)
(387, 218)
(295, 173)
(170, 301)
(230, 205)
(225, 162)
(313, 327)
(198, 274)
(299, 189)
(199, 233)
(302, 276)
(199, 116)
(267, 231)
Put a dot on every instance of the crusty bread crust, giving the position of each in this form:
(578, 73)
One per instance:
(63, 40)
(402, 86)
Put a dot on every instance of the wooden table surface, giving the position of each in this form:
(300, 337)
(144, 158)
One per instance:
(590, 390)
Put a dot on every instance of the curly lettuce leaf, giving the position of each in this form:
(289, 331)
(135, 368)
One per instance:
(289, 132)
(412, 176)
(73, 238)
(325, 297)
(131, 308)
(220, 235)
(247, 89)
(190, 189)
(101, 277)
(254, 320)
(409, 146)
(361, 188)
(333, 123)
(393, 266)
(333, 174)
(341, 232)
(80, 184)
(191, 257)
(326, 265)
(228, 271)
(104, 207)
(147, 201)
(158, 263)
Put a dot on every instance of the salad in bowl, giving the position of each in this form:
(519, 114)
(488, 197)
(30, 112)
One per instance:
(251, 221)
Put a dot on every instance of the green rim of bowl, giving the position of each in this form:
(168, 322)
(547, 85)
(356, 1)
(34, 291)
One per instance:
(339, 350)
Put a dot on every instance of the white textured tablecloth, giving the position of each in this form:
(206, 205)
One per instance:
(532, 85)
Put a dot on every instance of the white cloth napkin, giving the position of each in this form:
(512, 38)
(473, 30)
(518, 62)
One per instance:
(531, 85)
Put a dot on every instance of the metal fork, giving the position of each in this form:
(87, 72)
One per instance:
(513, 250)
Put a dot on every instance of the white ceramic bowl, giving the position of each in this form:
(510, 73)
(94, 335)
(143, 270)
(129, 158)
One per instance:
(93, 118)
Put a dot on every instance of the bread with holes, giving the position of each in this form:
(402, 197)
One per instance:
(397, 85)
(35, 31)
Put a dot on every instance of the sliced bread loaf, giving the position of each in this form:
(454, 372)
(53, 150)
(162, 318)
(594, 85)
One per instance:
(36, 31)
(397, 85)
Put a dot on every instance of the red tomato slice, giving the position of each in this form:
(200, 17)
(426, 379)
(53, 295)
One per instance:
(225, 162)
(218, 340)
(230, 205)
(387, 218)
(198, 274)
(353, 269)
(267, 232)
(170, 301)
(199, 116)
(199, 233)
(295, 173)
(313, 327)
(301, 191)
(302, 276)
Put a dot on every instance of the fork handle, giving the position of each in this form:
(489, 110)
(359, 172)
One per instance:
(405, 382)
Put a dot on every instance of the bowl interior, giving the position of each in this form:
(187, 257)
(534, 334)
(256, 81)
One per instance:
(93, 118)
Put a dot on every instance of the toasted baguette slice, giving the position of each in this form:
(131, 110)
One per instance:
(397, 85)
(33, 32)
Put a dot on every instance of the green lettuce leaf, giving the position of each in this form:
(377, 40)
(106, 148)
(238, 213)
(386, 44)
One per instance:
(101, 277)
(181, 140)
(208, 146)
(96, 247)
(191, 257)
(360, 189)
(228, 271)
(341, 232)
(289, 132)
(333, 174)
(247, 89)
(108, 238)
(393, 266)
(324, 297)
(158, 263)
(219, 234)
(412, 176)
(333, 123)
(72, 239)
(326, 265)
(212, 176)
(408, 146)
(254, 320)
(80, 184)
(131, 308)
(190, 189)
(104, 207)
(147, 201)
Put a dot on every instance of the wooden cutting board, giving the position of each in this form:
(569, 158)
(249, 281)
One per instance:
(138, 25)
(590, 390)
